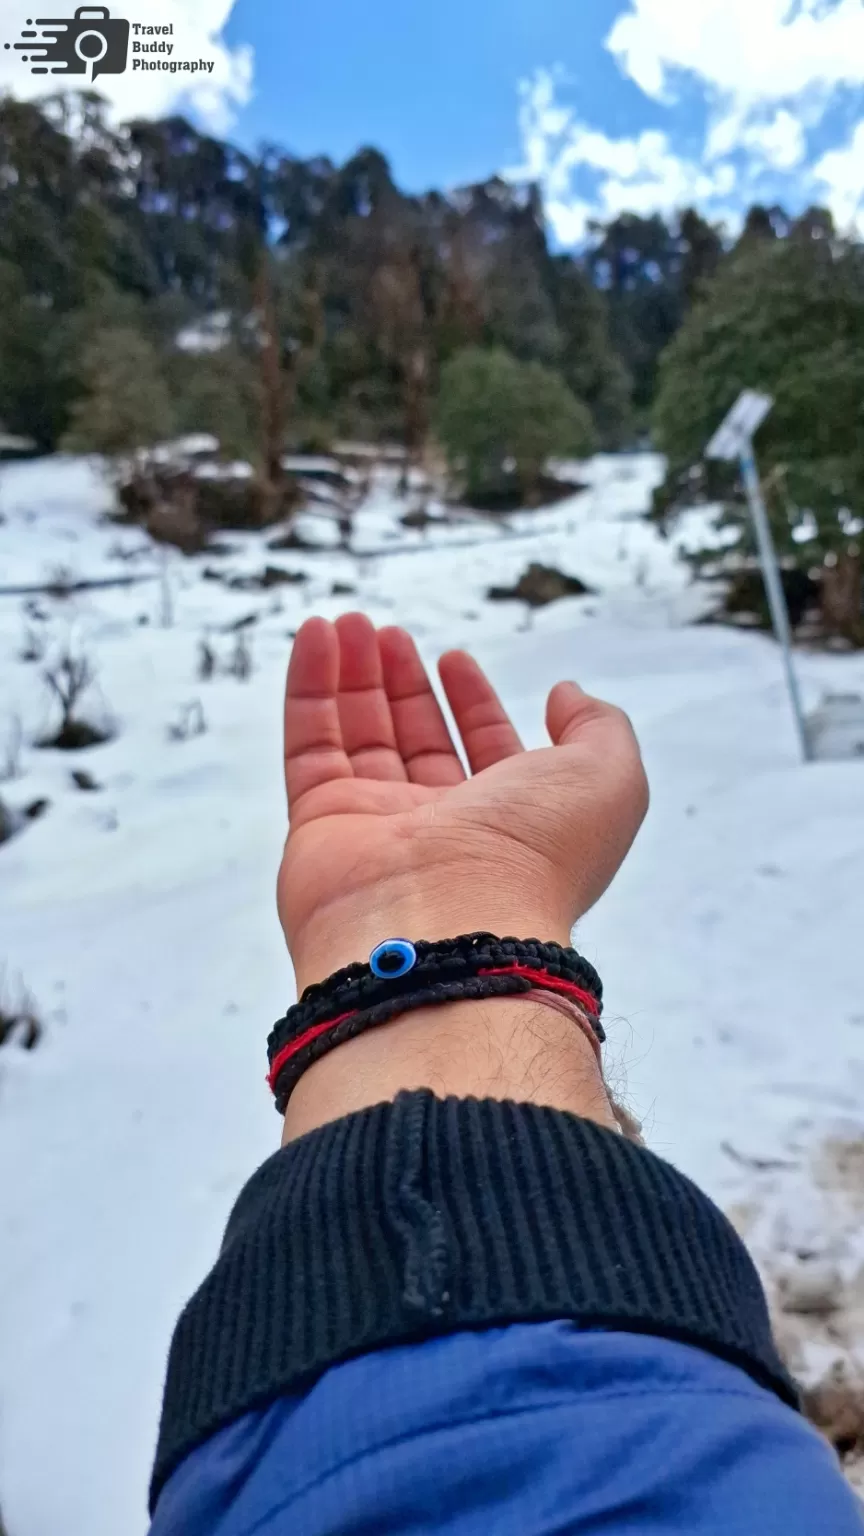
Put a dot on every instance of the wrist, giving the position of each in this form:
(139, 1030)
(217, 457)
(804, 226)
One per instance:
(413, 907)
(497, 1047)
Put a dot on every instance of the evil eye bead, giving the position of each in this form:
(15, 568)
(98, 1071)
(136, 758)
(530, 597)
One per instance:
(395, 957)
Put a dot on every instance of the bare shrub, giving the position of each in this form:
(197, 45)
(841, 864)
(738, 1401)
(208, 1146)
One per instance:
(61, 582)
(10, 750)
(206, 661)
(19, 1015)
(33, 645)
(190, 722)
(239, 664)
(166, 591)
(68, 678)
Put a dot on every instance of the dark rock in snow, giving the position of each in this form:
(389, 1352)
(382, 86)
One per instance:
(246, 622)
(84, 780)
(420, 518)
(271, 576)
(539, 585)
(293, 540)
(8, 823)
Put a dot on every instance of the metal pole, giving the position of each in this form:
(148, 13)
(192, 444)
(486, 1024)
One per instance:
(774, 589)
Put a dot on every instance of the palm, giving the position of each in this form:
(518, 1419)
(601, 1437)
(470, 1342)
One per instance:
(376, 787)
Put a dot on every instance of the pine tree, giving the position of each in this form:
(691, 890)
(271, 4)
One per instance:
(500, 420)
(785, 316)
(126, 406)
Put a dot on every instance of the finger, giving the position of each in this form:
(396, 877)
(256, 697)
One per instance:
(569, 711)
(364, 709)
(314, 751)
(605, 737)
(483, 722)
(423, 740)
(599, 766)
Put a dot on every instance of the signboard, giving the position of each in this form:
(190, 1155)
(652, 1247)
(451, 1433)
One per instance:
(734, 440)
(734, 435)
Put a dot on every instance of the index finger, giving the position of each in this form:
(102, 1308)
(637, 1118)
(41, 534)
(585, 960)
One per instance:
(313, 747)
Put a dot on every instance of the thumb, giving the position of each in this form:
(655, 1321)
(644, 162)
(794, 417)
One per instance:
(603, 788)
(569, 709)
(606, 742)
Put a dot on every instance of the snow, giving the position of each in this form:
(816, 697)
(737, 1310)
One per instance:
(210, 334)
(188, 447)
(142, 916)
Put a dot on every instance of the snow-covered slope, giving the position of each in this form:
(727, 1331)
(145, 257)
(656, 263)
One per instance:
(142, 915)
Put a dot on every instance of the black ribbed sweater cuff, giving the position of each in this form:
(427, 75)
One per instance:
(426, 1216)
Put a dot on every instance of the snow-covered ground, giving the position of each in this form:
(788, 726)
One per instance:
(142, 915)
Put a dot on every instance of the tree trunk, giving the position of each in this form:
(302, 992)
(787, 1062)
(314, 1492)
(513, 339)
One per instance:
(415, 375)
(272, 397)
(842, 588)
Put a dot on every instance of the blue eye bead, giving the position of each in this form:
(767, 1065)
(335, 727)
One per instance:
(395, 957)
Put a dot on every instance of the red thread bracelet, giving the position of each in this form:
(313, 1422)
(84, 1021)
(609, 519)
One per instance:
(544, 983)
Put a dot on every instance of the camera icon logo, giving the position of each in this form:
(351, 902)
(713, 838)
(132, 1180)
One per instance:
(92, 43)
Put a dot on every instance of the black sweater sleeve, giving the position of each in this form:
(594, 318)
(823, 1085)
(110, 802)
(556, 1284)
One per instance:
(425, 1216)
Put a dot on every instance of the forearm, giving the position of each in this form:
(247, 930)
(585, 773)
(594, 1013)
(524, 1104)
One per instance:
(499, 1048)
(495, 1048)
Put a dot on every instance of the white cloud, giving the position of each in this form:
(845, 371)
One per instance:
(841, 172)
(767, 69)
(641, 174)
(570, 219)
(198, 26)
(751, 51)
(779, 140)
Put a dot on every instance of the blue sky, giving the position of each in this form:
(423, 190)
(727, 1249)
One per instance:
(610, 104)
(434, 84)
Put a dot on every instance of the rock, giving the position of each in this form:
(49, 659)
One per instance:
(36, 808)
(246, 622)
(271, 576)
(539, 585)
(293, 540)
(420, 518)
(84, 780)
(835, 1404)
(8, 822)
(813, 1288)
(342, 589)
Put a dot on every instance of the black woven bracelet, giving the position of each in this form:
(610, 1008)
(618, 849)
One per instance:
(401, 976)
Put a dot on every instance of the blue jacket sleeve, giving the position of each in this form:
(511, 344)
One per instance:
(523, 1430)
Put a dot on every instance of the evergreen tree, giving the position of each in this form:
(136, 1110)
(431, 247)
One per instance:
(785, 316)
(637, 262)
(702, 250)
(126, 406)
(500, 420)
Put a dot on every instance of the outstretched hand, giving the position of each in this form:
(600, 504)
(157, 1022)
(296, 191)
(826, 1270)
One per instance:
(388, 835)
